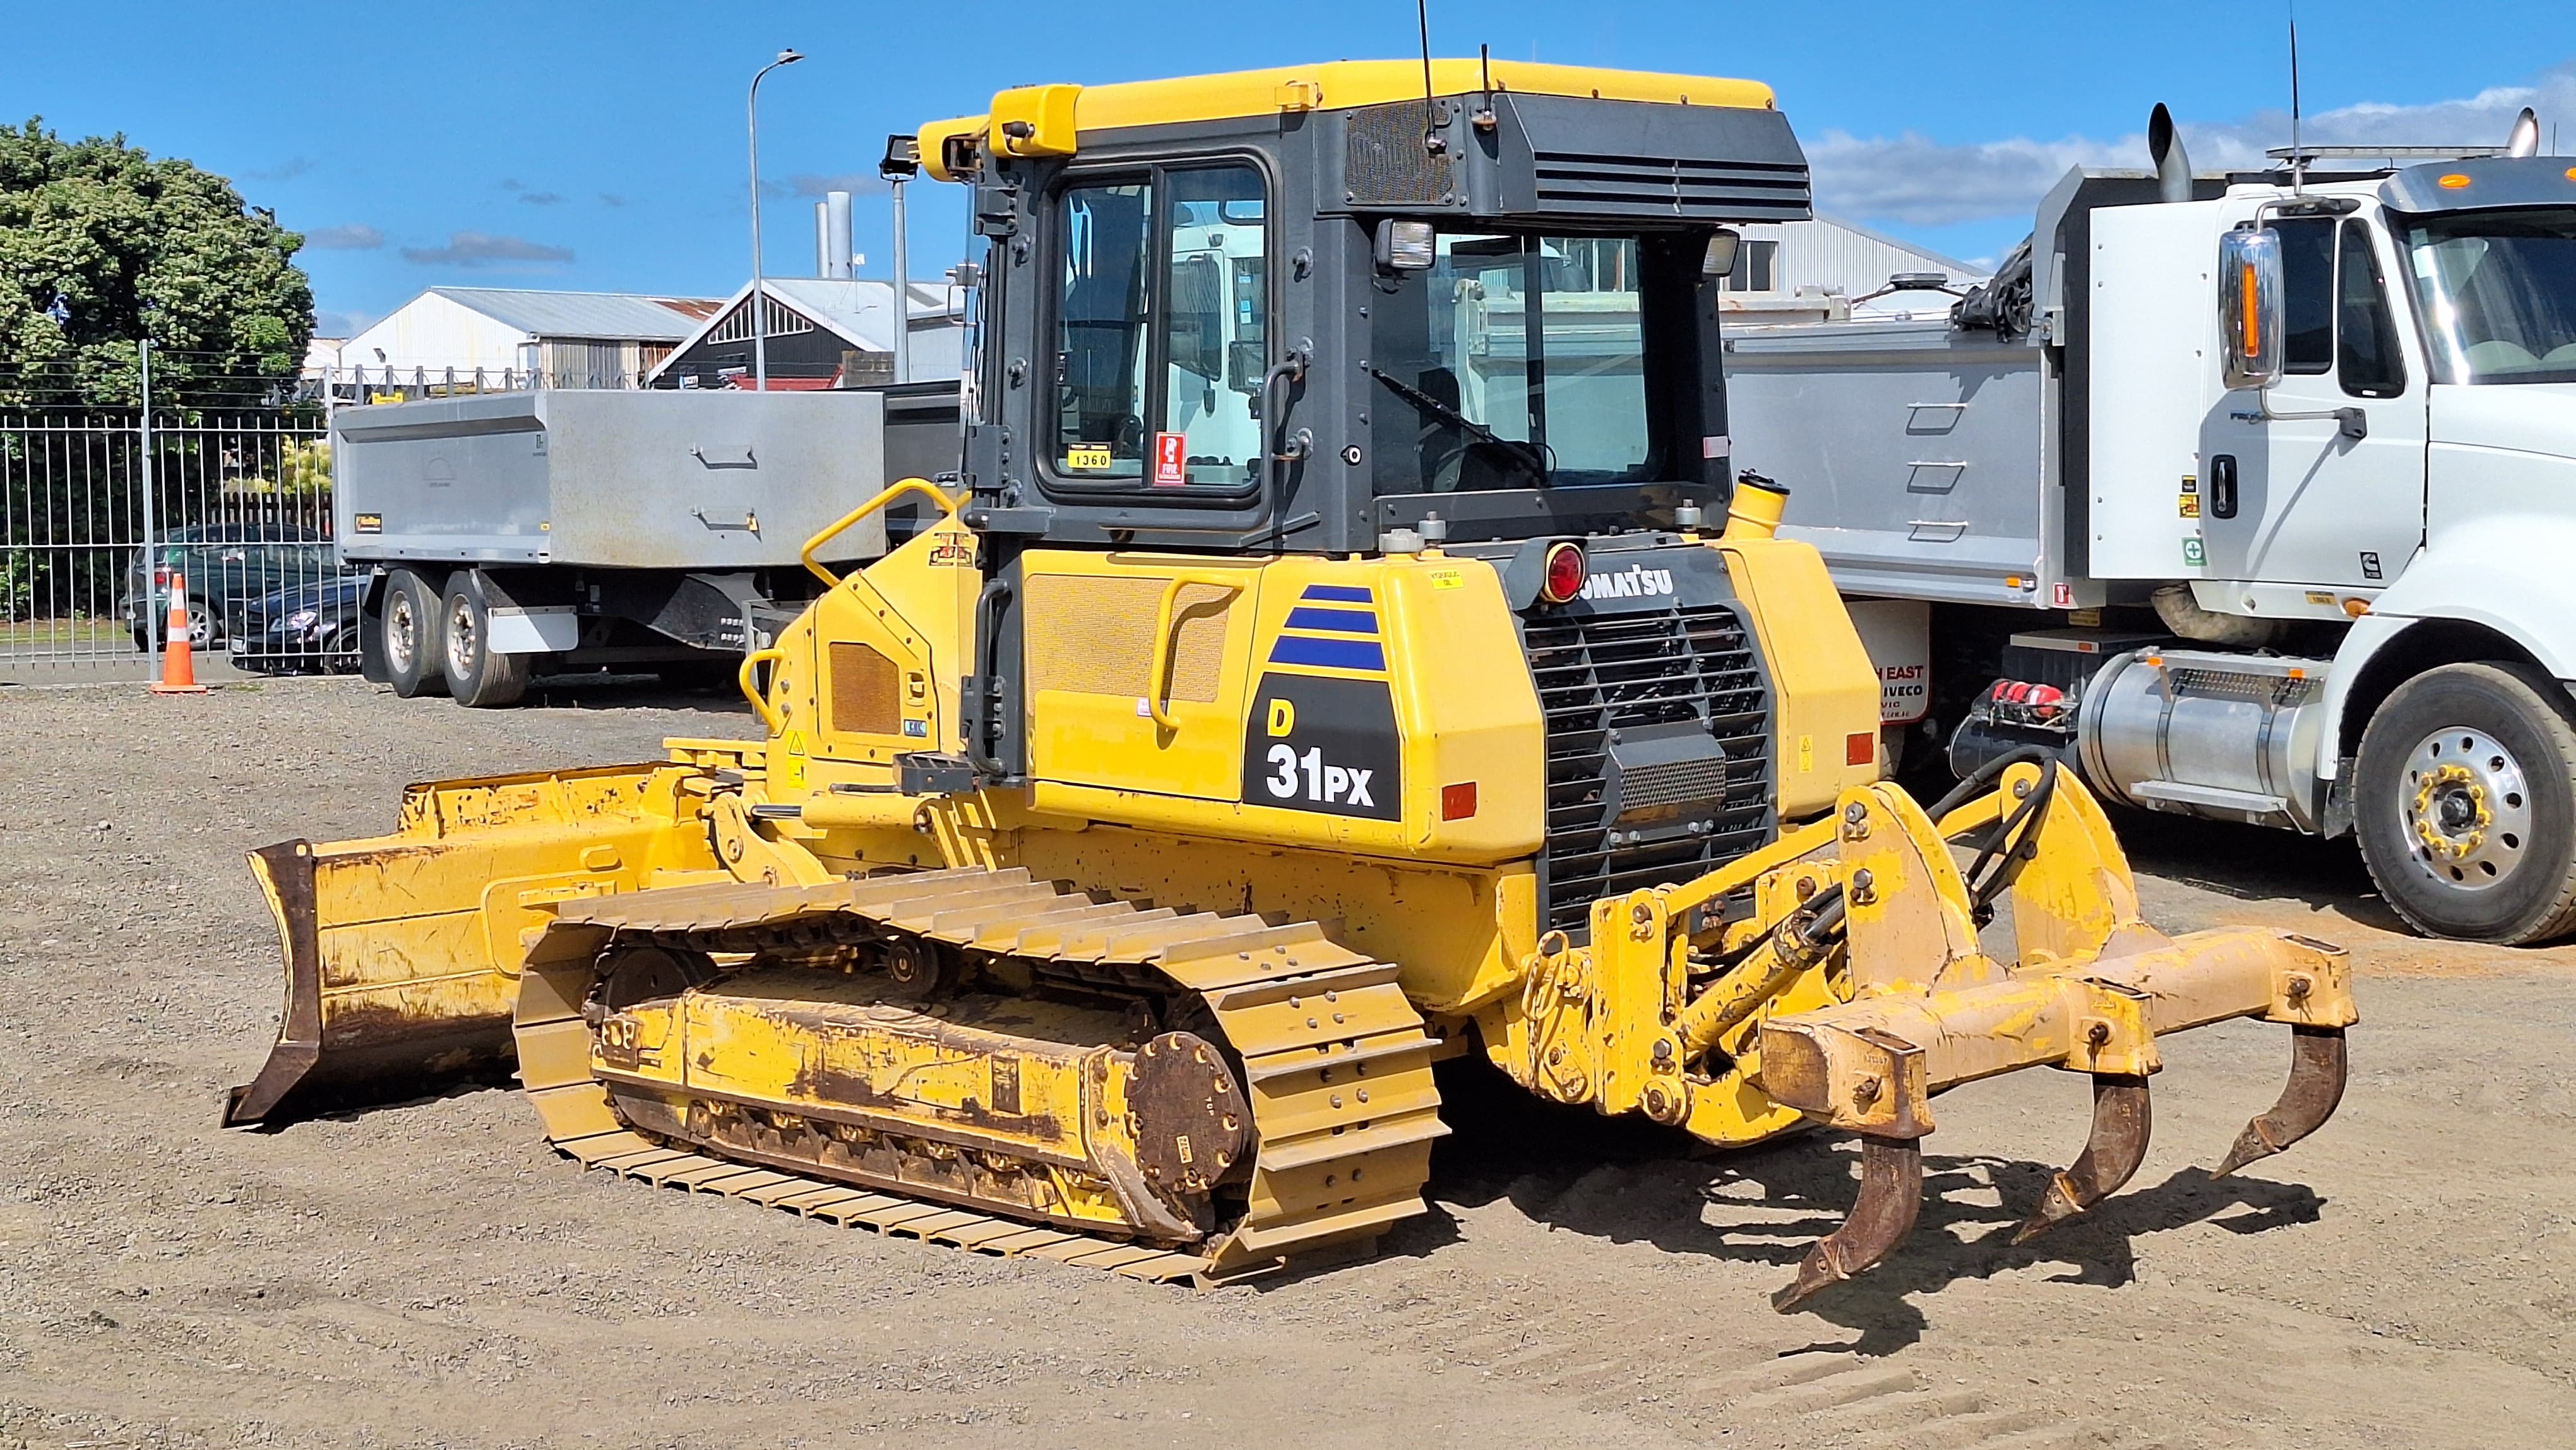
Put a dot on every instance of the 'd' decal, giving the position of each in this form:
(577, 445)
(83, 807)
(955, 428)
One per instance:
(1315, 743)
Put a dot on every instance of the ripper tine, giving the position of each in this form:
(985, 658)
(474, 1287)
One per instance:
(2317, 1068)
(2122, 1121)
(1891, 1194)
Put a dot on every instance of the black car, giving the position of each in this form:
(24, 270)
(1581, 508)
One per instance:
(305, 629)
(226, 564)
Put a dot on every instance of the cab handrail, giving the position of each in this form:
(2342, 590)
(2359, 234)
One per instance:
(887, 495)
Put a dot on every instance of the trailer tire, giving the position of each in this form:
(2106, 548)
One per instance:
(407, 628)
(480, 677)
(2464, 802)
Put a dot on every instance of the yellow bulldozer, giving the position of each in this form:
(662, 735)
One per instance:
(1341, 648)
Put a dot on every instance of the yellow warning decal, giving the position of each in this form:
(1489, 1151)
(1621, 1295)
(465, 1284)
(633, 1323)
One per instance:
(1448, 579)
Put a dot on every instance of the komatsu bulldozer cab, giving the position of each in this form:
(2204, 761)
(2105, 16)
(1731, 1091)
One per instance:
(1292, 310)
(1320, 310)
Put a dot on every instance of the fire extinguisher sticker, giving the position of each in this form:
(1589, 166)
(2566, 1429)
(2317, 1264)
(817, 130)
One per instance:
(1171, 460)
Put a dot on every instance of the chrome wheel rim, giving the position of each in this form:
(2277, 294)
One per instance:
(461, 643)
(2466, 809)
(402, 633)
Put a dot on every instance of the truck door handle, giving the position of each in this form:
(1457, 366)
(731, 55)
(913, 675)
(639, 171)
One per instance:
(2222, 486)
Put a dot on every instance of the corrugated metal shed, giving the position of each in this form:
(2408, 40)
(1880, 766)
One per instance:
(858, 311)
(622, 315)
(1837, 256)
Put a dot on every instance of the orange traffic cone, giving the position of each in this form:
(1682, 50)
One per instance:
(178, 655)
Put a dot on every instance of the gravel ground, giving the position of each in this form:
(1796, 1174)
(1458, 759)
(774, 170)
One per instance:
(430, 1274)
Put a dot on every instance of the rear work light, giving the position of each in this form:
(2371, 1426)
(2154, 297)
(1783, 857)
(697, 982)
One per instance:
(1562, 578)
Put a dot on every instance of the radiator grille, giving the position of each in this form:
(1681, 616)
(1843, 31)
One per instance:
(1573, 181)
(1616, 672)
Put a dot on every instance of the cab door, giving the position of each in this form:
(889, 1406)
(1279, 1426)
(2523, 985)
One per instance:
(1136, 668)
(2298, 500)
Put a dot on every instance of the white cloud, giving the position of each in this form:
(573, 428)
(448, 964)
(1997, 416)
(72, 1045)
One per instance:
(479, 249)
(1912, 180)
(356, 237)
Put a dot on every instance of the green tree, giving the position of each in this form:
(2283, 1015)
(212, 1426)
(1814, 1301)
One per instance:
(133, 246)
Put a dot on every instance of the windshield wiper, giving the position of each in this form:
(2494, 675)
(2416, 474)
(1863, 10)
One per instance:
(1527, 456)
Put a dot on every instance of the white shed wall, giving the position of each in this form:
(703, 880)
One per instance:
(435, 333)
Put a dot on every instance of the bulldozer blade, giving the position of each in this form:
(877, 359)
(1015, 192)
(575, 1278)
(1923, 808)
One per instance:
(2122, 1121)
(2317, 1068)
(403, 952)
(327, 1058)
(1891, 1194)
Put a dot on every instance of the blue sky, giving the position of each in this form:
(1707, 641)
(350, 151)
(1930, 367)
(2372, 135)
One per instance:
(600, 146)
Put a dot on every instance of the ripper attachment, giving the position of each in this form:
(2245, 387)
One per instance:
(1923, 1008)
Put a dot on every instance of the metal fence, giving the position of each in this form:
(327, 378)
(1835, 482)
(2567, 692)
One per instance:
(237, 503)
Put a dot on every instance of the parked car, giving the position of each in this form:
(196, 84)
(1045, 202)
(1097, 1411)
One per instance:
(225, 564)
(304, 629)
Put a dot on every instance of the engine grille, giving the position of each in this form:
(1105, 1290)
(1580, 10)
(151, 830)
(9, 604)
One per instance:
(1620, 671)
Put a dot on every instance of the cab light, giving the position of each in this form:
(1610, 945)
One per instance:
(1458, 802)
(1562, 579)
(2455, 181)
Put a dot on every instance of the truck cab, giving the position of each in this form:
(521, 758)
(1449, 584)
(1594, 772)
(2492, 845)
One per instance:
(2250, 492)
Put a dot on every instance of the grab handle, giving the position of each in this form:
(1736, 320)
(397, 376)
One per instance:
(889, 494)
(1158, 679)
(748, 678)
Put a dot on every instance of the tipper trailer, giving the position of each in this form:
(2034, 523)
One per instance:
(517, 533)
(2252, 496)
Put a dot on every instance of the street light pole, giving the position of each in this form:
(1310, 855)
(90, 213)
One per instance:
(759, 294)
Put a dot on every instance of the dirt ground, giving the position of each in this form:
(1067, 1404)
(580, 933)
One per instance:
(430, 1274)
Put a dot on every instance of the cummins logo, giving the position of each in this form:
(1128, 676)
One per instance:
(1636, 582)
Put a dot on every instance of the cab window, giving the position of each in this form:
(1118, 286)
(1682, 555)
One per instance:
(2307, 294)
(1162, 331)
(2367, 360)
(1516, 361)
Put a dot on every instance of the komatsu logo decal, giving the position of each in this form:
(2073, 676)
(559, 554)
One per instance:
(1634, 582)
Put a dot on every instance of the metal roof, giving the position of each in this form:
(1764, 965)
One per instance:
(859, 309)
(587, 314)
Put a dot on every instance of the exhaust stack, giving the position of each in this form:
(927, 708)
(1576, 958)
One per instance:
(832, 236)
(2524, 140)
(2173, 165)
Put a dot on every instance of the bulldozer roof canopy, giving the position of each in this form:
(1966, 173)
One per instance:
(1049, 120)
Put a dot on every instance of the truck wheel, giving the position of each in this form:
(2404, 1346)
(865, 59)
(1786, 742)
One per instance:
(408, 625)
(2465, 803)
(477, 675)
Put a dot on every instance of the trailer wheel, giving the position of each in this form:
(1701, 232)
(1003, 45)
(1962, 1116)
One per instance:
(479, 676)
(2465, 804)
(407, 625)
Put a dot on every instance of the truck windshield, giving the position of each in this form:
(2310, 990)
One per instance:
(1510, 356)
(2498, 292)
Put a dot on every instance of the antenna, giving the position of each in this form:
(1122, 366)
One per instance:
(1431, 141)
(2298, 157)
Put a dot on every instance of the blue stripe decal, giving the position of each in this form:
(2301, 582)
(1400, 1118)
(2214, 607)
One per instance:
(1331, 654)
(1338, 621)
(1340, 593)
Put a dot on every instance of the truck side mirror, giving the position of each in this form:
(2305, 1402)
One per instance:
(2249, 307)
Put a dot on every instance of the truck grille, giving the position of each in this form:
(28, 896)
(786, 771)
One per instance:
(1616, 672)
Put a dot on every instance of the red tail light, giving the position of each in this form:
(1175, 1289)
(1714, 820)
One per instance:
(1562, 579)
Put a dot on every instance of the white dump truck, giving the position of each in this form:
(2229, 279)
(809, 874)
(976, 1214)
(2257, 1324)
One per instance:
(2252, 495)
